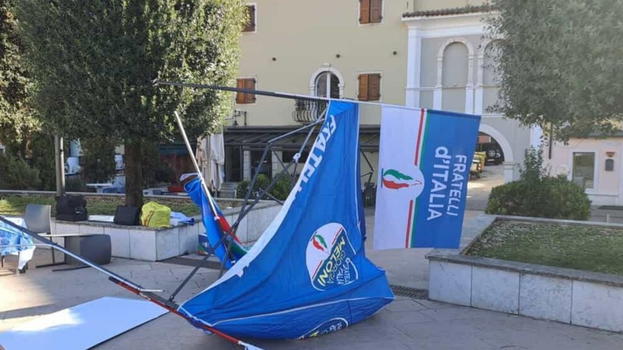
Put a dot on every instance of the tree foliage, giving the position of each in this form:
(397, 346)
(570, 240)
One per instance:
(98, 159)
(560, 63)
(94, 63)
(16, 174)
(16, 118)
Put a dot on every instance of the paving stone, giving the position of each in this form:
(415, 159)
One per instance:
(405, 324)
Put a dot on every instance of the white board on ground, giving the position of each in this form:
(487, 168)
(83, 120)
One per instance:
(82, 326)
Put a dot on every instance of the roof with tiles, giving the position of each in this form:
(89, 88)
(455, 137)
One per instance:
(449, 11)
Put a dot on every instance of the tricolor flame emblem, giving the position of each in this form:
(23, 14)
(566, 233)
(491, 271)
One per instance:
(319, 243)
(395, 180)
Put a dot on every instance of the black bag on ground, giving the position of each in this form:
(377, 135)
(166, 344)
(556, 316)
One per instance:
(71, 208)
(126, 215)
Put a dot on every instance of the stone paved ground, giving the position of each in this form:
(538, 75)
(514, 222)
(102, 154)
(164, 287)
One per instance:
(404, 324)
(478, 189)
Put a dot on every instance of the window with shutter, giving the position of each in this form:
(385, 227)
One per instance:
(244, 98)
(369, 87)
(250, 25)
(376, 11)
(364, 11)
(370, 11)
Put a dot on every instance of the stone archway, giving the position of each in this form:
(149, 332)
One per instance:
(501, 140)
(510, 164)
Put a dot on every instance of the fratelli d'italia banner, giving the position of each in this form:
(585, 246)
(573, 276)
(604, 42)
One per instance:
(424, 163)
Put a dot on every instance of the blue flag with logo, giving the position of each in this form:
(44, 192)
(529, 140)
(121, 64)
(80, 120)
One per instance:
(307, 275)
(424, 163)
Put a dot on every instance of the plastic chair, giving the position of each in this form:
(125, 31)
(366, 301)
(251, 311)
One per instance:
(37, 219)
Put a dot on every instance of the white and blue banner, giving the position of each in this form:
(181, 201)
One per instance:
(424, 162)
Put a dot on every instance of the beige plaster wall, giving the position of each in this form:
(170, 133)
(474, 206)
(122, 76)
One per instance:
(294, 39)
(306, 36)
(608, 184)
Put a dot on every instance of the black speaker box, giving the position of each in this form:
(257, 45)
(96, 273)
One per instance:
(94, 247)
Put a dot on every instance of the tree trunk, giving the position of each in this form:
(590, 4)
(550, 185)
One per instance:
(134, 173)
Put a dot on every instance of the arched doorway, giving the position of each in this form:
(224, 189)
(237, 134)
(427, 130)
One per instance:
(498, 154)
(501, 140)
(492, 149)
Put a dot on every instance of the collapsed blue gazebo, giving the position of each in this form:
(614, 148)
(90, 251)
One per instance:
(307, 275)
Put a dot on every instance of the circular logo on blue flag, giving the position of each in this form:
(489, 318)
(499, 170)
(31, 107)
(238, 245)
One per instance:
(329, 257)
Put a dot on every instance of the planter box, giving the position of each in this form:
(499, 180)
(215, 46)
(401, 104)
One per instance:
(145, 243)
(571, 296)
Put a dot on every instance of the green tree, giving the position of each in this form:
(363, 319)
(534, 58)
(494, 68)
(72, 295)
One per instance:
(99, 159)
(16, 118)
(560, 63)
(94, 63)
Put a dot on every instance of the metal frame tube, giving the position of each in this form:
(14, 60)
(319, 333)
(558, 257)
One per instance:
(273, 93)
(45, 241)
(194, 160)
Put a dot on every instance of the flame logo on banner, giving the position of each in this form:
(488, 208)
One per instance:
(329, 257)
(395, 180)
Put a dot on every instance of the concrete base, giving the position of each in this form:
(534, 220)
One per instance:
(576, 297)
(144, 243)
(595, 304)
(137, 242)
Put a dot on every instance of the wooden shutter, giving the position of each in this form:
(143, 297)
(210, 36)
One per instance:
(364, 11)
(250, 25)
(374, 87)
(363, 87)
(376, 11)
(369, 87)
(241, 97)
(250, 84)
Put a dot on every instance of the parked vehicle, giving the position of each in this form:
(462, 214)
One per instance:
(493, 153)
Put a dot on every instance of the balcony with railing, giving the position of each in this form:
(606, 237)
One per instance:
(307, 111)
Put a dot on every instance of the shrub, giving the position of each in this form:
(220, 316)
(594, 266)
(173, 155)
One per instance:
(283, 186)
(261, 182)
(550, 197)
(536, 194)
(242, 188)
(565, 199)
(16, 174)
(75, 184)
(281, 189)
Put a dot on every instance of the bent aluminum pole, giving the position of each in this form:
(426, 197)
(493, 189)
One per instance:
(49, 243)
(204, 187)
(126, 284)
(273, 93)
(220, 220)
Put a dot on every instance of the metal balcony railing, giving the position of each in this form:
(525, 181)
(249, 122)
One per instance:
(306, 112)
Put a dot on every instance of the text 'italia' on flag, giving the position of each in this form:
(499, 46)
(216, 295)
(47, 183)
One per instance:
(424, 163)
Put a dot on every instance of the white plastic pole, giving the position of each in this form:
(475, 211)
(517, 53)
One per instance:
(195, 164)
